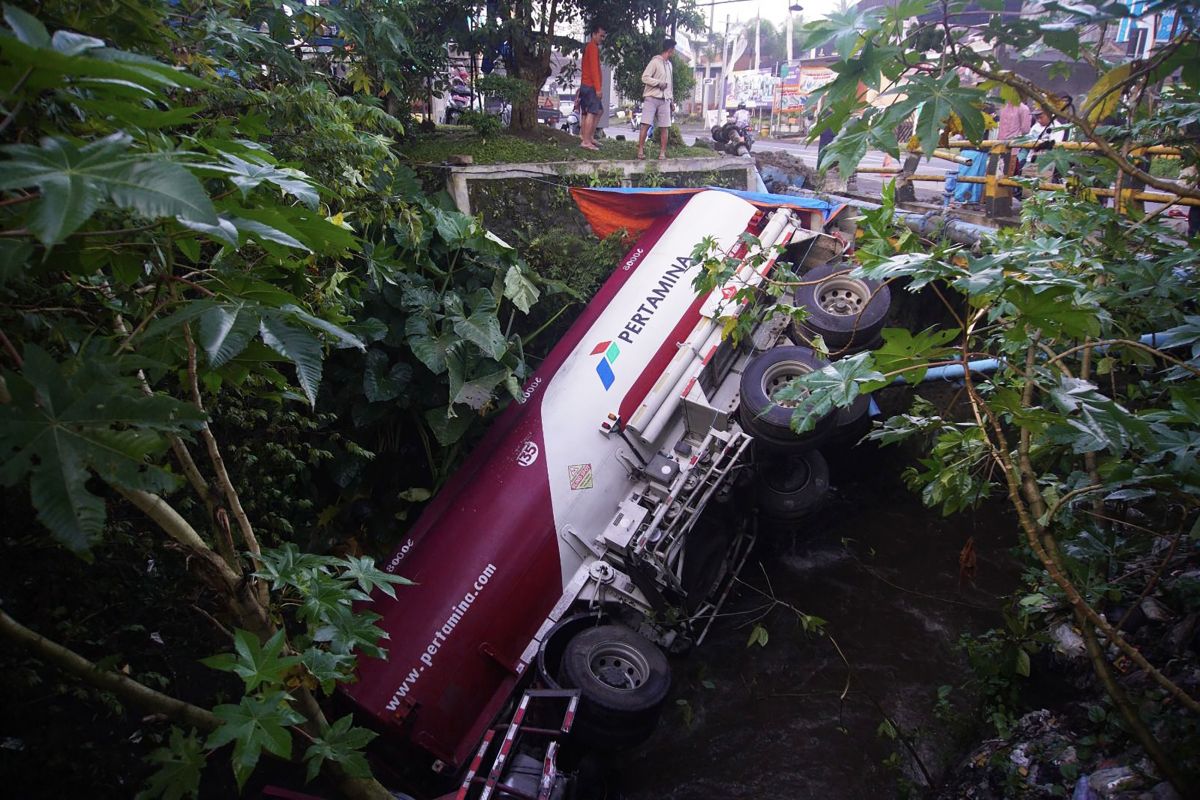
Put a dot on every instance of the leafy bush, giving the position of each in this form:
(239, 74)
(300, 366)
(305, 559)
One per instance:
(485, 124)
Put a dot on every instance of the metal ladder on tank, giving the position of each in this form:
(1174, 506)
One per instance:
(476, 786)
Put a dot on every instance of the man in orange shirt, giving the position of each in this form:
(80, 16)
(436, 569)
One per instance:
(589, 89)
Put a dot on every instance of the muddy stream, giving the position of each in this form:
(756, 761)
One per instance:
(790, 719)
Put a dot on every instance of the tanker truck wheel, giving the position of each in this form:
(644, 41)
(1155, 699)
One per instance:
(623, 680)
(792, 486)
(848, 313)
(770, 423)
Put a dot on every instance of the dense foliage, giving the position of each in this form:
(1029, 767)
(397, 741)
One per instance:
(1075, 414)
(204, 220)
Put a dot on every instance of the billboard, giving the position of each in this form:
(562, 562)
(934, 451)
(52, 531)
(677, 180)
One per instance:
(755, 88)
(796, 83)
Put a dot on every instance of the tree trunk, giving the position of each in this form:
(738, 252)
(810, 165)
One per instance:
(533, 67)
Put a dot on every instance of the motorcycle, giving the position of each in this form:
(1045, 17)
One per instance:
(458, 102)
(734, 139)
(571, 123)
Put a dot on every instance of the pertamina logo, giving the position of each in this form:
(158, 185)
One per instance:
(604, 368)
(638, 320)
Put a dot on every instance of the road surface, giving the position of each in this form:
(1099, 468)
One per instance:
(868, 184)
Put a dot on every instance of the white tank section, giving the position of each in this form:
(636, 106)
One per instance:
(587, 478)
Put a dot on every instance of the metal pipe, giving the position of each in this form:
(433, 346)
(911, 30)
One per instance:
(663, 407)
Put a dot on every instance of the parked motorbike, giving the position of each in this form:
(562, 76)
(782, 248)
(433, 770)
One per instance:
(458, 102)
(571, 123)
(734, 139)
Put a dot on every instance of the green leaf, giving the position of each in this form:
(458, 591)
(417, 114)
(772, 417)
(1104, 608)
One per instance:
(26, 27)
(382, 383)
(934, 99)
(1094, 421)
(342, 743)
(74, 181)
(179, 766)
(347, 631)
(447, 429)
(901, 350)
(265, 234)
(253, 725)
(256, 663)
(1063, 37)
(1022, 665)
(362, 571)
(758, 635)
(834, 386)
(1055, 310)
(225, 330)
(482, 328)
(287, 565)
(247, 175)
(340, 335)
(519, 289)
(67, 422)
(329, 669)
(299, 347)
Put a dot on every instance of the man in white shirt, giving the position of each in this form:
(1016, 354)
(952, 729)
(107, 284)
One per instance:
(657, 97)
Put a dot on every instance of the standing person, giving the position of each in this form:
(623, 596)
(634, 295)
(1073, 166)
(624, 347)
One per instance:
(589, 89)
(1015, 121)
(657, 97)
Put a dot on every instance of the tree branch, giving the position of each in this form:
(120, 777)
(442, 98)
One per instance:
(125, 688)
(218, 463)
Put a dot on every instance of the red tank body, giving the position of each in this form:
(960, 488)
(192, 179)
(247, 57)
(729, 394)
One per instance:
(485, 559)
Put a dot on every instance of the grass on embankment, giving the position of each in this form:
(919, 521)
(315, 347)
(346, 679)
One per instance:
(544, 144)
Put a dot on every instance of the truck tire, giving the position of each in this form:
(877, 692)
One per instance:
(623, 680)
(848, 313)
(853, 421)
(792, 486)
(768, 422)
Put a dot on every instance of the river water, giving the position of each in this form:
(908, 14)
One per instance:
(791, 719)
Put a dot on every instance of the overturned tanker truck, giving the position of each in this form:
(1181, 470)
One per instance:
(559, 563)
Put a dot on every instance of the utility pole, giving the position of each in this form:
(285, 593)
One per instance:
(789, 38)
(757, 30)
(708, 56)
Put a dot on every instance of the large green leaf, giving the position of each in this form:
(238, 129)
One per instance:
(226, 329)
(67, 422)
(256, 663)
(520, 289)
(327, 668)
(383, 382)
(342, 743)
(179, 766)
(247, 175)
(74, 181)
(253, 725)
(363, 572)
(834, 386)
(935, 99)
(482, 327)
(299, 347)
(1094, 421)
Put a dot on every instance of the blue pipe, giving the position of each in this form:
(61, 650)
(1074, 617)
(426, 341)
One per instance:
(948, 372)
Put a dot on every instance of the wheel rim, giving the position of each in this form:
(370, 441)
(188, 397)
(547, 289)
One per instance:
(780, 375)
(618, 665)
(843, 297)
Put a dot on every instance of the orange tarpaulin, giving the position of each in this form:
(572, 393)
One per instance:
(634, 210)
